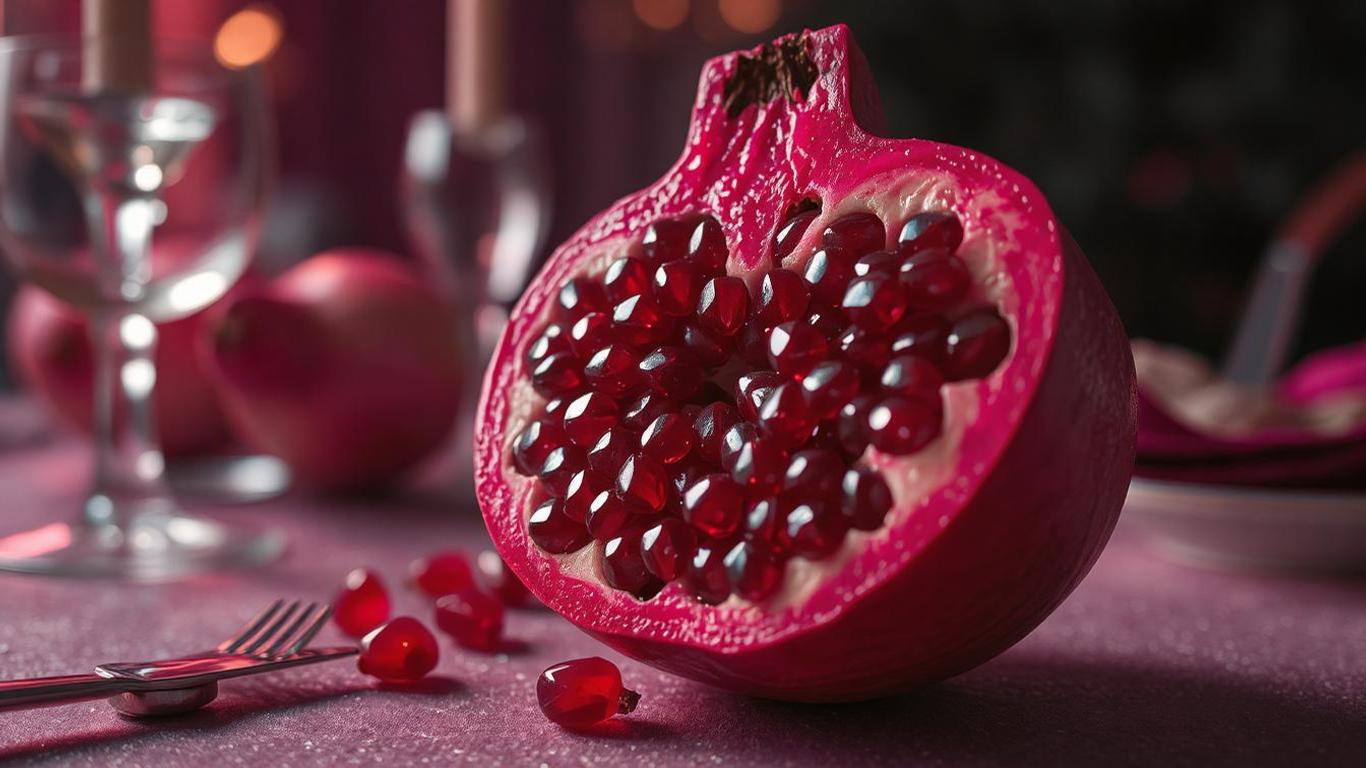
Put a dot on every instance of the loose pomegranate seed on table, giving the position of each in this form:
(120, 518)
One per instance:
(584, 692)
(495, 576)
(362, 604)
(400, 651)
(472, 617)
(707, 430)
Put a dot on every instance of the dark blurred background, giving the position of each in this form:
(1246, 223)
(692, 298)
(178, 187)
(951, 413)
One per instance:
(1172, 137)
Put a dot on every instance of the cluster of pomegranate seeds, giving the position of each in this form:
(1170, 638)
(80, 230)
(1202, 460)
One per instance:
(401, 651)
(362, 604)
(697, 431)
(584, 692)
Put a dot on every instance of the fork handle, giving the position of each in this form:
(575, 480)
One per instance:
(52, 691)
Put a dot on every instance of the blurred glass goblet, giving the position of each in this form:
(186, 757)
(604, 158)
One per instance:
(86, 177)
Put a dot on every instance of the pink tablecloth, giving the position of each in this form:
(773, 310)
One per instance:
(1146, 663)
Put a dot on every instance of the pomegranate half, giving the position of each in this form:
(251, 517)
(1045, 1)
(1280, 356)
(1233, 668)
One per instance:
(819, 415)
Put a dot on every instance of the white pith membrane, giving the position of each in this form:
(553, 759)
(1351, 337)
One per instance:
(911, 478)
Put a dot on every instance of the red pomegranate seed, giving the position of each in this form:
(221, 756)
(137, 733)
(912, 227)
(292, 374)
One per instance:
(827, 386)
(758, 464)
(626, 277)
(667, 239)
(555, 532)
(682, 477)
(829, 272)
(852, 429)
(856, 233)
(362, 604)
(554, 412)
(669, 372)
(612, 450)
(975, 345)
(607, 516)
(783, 296)
(723, 305)
(533, 446)
(668, 439)
(791, 230)
(556, 374)
(733, 439)
(875, 302)
(500, 580)
(864, 348)
(712, 505)
(931, 229)
(900, 425)
(588, 416)
(754, 572)
(559, 468)
(472, 617)
(752, 345)
(707, 246)
(590, 333)
(814, 472)
(814, 530)
(752, 389)
(921, 334)
(552, 340)
(766, 522)
(708, 349)
(441, 573)
(583, 692)
(641, 483)
(581, 295)
(829, 322)
(612, 370)
(640, 322)
(401, 651)
(667, 547)
(878, 262)
(912, 376)
(677, 287)
(867, 499)
(583, 487)
(795, 346)
(647, 407)
(623, 566)
(710, 427)
(934, 279)
(706, 577)
(785, 416)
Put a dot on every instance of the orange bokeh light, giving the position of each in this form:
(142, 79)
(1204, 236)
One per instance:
(249, 36)
(661, 14)
(749, 16)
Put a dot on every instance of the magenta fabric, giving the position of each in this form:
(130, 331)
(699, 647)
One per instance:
(1147, 663)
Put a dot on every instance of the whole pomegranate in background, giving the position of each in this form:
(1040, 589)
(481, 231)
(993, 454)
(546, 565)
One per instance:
(49, 345)
(819, 415)
(347, 366)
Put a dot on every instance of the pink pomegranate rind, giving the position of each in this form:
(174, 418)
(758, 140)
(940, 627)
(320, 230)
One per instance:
(1027, 479)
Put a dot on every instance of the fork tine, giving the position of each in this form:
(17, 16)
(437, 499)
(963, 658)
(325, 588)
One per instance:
(285, 638)
(251, 628)
(312, 630)
(272, 631)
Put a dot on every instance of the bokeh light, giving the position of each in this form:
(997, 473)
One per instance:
(749, 16)
(661, 14)
(249, 36)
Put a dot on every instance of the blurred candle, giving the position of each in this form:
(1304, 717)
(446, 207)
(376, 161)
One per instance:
(474, 63)
(118, 39)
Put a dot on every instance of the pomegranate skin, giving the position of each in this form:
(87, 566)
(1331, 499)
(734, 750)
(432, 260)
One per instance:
(1038, 458)
(347, 366)
(49, 346)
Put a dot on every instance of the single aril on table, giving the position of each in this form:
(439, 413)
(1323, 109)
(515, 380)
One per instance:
(441, 573)
(362, 604)
(472, 617)
(912, 402)
(584, 692)
(400, 651)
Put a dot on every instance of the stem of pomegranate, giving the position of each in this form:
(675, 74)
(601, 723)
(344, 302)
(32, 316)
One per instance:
(128, 476)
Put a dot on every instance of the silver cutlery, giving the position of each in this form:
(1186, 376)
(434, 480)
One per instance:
(277, 638)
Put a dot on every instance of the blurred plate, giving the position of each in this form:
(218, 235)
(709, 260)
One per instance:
(1249, 528)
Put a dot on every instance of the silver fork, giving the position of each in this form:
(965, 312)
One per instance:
(275, 639)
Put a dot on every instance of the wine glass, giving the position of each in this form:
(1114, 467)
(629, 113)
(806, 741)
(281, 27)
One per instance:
(135, 206)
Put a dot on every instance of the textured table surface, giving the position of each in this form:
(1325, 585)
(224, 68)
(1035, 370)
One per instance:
(1146, 663)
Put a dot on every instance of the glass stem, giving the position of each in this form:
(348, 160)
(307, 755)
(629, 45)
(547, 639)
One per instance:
(129, 469)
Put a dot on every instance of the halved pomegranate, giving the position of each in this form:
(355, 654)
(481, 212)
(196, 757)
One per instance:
(911, 404)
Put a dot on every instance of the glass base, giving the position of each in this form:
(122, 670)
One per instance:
(155, 547)
(228, 479)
